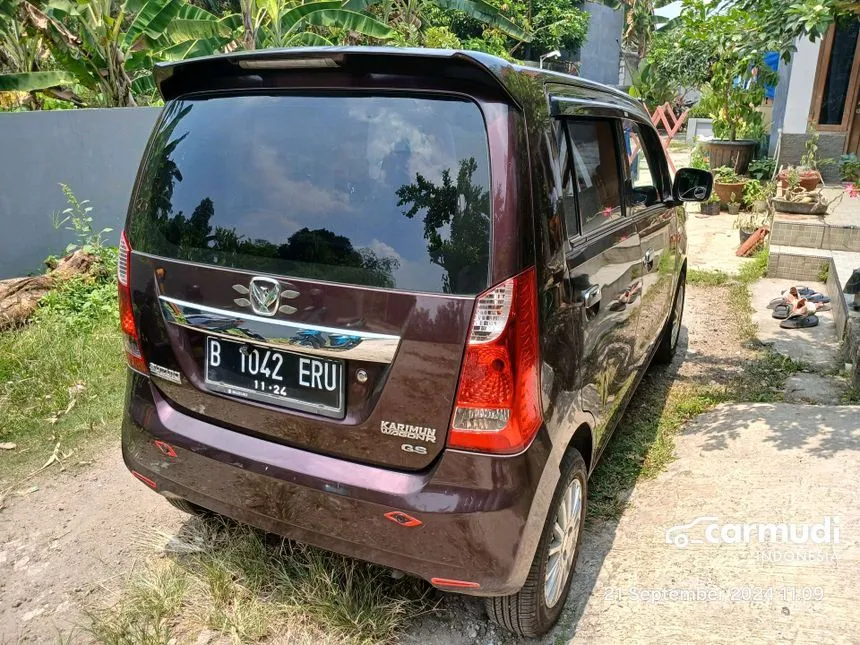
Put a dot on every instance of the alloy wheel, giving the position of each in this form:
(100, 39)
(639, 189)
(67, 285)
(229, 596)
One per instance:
(562, 548)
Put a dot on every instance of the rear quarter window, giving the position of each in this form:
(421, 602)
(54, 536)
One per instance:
(386, 191)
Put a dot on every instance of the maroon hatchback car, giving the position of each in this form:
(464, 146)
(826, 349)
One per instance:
(392, 302)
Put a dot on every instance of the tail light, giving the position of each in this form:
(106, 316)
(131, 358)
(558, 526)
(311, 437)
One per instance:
(133, 355)
(498, 398)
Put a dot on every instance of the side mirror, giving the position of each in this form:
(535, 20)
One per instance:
(692, 185)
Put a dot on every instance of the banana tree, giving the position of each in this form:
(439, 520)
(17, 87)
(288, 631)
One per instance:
(109, 47)
(408, 13)
(274, 23)
(640, 22)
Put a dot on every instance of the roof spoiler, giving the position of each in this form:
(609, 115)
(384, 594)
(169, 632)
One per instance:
(258, 69)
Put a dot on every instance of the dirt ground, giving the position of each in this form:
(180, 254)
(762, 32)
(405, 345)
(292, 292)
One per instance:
(64, 543)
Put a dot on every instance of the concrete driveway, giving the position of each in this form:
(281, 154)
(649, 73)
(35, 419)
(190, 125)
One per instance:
(742, 464)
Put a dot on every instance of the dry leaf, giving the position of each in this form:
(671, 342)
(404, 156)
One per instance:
(8, 445)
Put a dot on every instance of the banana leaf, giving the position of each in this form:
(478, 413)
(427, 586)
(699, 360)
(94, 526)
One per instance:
(487, 13)
(290, 18)
(351, 21)
(152, 20)
(31, 81)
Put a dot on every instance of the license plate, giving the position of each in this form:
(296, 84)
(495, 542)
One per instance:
(268, 375)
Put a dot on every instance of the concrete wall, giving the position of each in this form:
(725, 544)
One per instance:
(601, 52)
(779, 100)
(830, 146)
(95, 152)
(799, 95)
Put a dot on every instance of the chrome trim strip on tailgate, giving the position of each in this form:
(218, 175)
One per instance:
(297, 337)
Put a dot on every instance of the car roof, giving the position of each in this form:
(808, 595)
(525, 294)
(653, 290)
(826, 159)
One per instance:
(176, 78)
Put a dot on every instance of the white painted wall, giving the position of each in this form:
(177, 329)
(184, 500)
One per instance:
(800, 86)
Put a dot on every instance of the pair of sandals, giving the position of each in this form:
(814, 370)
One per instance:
(797, 307)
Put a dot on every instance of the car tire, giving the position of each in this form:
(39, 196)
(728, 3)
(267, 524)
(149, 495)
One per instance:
(187, 507)
(529, 612)
(672, 332)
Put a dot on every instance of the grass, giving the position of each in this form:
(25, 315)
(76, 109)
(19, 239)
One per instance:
(62, 375)
(647, 443)
(251, 587)
(707, 278)
(663, 405)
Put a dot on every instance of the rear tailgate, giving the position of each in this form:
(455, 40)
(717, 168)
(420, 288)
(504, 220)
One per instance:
(368, 213)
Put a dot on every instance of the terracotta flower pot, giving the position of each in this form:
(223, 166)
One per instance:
(809, 179)
(734, 154)
(724, 191)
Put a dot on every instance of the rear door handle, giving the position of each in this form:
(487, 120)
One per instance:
(648, 258)
(591, 296)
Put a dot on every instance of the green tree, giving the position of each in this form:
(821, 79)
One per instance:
(781, 22)
(275, 23)
(462, 209)
(411, 16)
(640, 22)
(109, 47)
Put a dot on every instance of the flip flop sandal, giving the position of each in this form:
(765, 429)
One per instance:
(781, 311)
(776, 302)
(800, 291)
(817, 297)
(799, 322)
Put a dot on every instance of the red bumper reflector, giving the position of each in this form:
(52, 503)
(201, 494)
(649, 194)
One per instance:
(403, 519)
(145, 480)
(166, 448)
(454, 584)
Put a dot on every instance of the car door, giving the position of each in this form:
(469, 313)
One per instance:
(604, 267)
(646, 180)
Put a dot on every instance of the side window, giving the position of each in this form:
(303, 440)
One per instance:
(595, 162)
(566, 182)
(641, 183)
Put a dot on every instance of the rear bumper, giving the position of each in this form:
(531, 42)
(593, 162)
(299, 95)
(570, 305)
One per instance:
(481, 516)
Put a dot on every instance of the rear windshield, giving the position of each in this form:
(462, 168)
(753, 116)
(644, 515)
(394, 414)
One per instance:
(387, 191)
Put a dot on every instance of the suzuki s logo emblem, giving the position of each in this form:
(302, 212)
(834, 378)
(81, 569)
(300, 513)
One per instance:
(265, 296)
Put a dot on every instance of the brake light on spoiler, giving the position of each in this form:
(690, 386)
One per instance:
(498, 398)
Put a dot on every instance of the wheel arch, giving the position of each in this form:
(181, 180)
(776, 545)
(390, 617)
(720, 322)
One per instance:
(583, 442)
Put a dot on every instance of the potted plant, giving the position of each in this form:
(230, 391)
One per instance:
(756, 194)
(806, 174)
(798, 200)
(748, 223)
(733, 94)
(849, 169)
(711, 206)
(727, 184)
(734, 205)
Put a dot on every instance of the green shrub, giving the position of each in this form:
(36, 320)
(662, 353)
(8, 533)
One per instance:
(762, 169)
(727, 175)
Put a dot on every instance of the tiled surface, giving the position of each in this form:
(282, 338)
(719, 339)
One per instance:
(847, 320)
(786, 232)
(843, 210)
(796, 263)
(841, 238)
(839, 229)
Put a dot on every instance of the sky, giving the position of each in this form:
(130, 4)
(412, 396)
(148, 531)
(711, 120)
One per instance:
(670, 10)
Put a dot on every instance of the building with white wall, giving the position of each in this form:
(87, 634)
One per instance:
(818, 89)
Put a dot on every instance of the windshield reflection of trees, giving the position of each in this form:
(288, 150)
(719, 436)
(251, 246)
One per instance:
(462, 212)
(456, 219)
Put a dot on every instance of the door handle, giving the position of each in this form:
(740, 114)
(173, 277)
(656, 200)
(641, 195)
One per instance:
(591, 296)
(648, 258)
